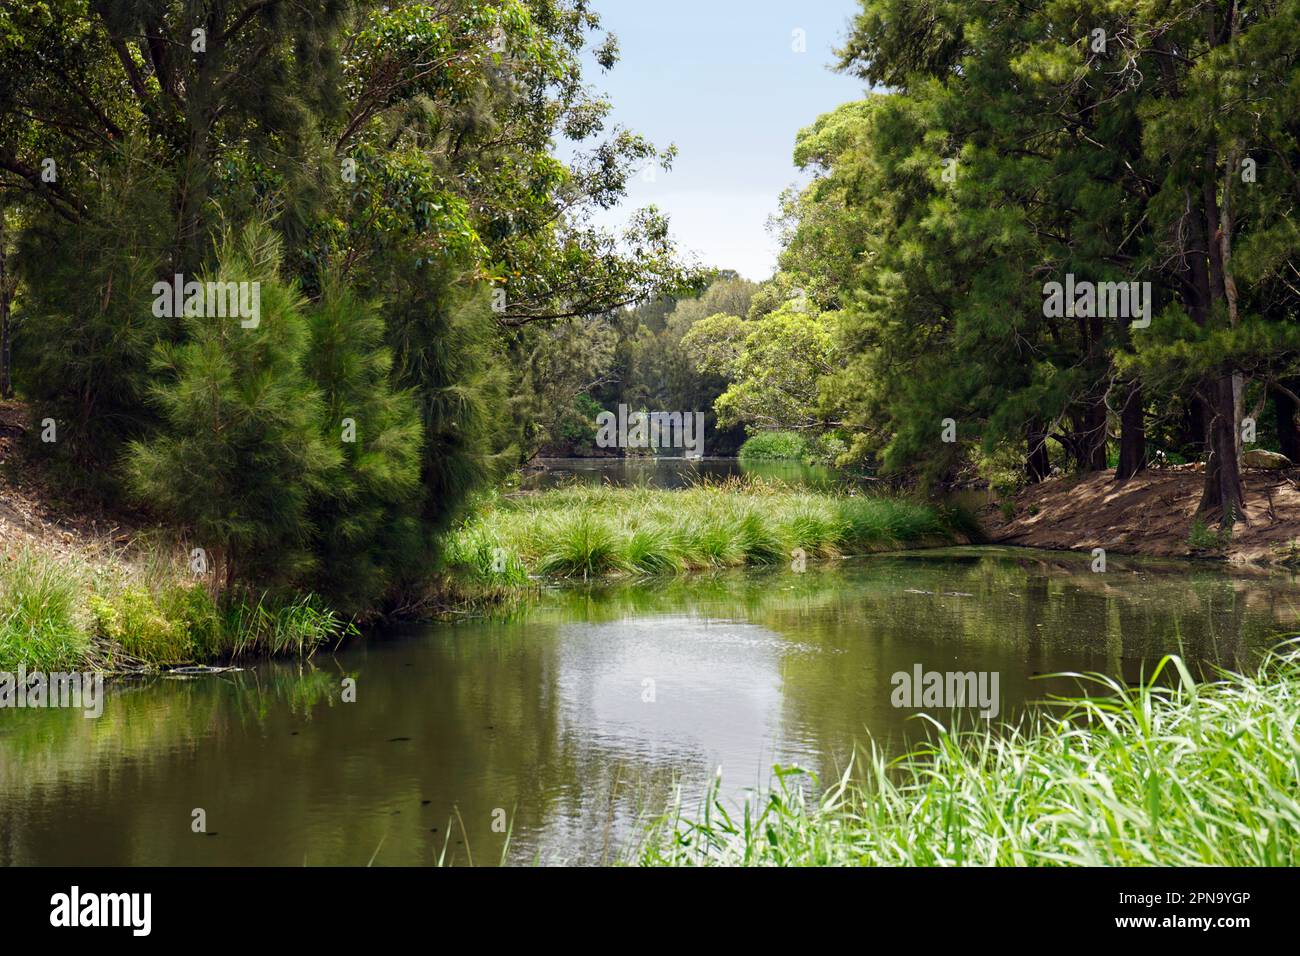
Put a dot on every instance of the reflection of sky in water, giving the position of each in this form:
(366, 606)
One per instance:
(543, 716)
(718, 705)
(717, 689)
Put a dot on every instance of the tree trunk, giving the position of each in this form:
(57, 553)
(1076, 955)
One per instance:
(6, 295)
(1191, 433)
(1238, 408)
(1132, 435)
(1222, 494)
(1090, 452)
(1284, 407)
(1037, 464)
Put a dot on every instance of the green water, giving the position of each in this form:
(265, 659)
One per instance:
(546, 720)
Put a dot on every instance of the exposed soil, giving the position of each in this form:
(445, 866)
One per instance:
(31, 515)
(1152, 514)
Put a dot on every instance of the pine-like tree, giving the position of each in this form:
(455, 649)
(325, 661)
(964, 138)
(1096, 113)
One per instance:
(83, 351)
(368, 520)
(240, 456)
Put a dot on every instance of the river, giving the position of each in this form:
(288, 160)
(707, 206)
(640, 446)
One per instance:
(578, 718)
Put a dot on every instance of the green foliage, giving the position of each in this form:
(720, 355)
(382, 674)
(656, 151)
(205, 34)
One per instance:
(445, 351)
(1201, 538)
(475, 553)
(366, 520)
(579, 426)
(773, 364)
(774, 446)
(133, 621)
(61, 613)
(406, 164)
(580, 546)
(1009, 152)
(241, 454)
(593, 531)
(272, 628)
(85, 332)
(42, 623)
(1210, 788)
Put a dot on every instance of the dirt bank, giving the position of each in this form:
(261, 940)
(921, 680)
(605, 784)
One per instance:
(1152, 514)
(32, 515)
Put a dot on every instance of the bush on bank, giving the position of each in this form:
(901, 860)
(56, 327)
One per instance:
(773, 446)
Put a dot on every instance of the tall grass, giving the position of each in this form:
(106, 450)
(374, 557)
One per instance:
(61, 612)
(42, 618)
(1182, 775)
(270, 629)
(594, 531)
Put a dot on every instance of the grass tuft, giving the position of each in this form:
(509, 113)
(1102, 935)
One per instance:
(1157, 775)
(42, 621)
(596, 531)
(62, 612)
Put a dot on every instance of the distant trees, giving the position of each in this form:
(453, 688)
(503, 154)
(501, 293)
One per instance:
(664, 372)
(773, 363)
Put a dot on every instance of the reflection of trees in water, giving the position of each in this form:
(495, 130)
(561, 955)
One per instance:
(1025, 616)
(269, 752)
(289, 773)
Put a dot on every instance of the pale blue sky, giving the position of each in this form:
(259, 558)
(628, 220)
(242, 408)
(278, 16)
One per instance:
(720, 79)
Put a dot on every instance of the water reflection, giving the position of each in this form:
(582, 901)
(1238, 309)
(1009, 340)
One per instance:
(665, 472)
(578, 716)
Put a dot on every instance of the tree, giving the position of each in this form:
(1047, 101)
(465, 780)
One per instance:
(366, 520)
(1019, 144)
(8, 287)
(241, 456)
(83, 352)
(774, 365)
(403, 155)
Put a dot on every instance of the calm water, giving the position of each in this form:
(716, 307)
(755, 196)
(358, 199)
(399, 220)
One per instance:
(664, 472)
(544, 716)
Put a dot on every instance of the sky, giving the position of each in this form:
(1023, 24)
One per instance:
(722, 81)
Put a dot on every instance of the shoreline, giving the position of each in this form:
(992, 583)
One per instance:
(129, 607)
(1151, 515)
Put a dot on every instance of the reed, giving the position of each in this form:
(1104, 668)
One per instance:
(1155, 775)
(599, 531)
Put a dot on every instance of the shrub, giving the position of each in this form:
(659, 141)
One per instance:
(774, 446)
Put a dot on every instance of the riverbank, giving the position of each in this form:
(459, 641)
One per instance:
(72, 610)
(83, 588)
(1153, 514)
(599, 531)
(1193, 775)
